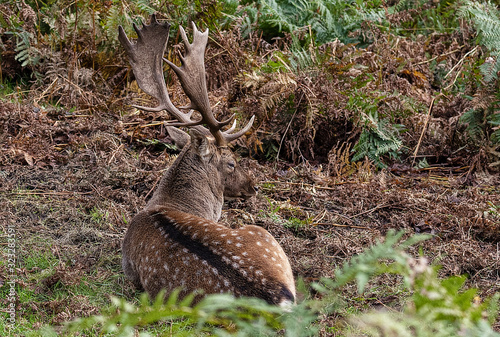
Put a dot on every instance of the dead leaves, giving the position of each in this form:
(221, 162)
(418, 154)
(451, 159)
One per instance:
(25, 155)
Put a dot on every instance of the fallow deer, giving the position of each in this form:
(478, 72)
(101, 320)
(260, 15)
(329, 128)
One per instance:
(176, 242)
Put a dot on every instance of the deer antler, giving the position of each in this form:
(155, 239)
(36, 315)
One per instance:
(146, 58)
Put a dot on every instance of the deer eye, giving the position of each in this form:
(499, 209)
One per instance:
(231, 164)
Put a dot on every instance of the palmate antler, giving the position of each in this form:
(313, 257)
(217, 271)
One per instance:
(146, 58)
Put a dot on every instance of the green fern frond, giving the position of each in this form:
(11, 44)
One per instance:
(301, 59)
(145, 6)
(26, 52)
(489, 69)
(494, 119)
(475, 123)
(276, 16)
(377, 139)
(326, 15)
(486, 18)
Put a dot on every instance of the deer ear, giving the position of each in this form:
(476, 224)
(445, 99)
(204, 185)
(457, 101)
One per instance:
(179, 137)
(201, 144)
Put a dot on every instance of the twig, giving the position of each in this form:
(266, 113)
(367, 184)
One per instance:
(443, 167)
(36, 100)
(456, 65)
(306, 184)
(424, 128)
(425, 155)
(320, 216)
(338, 225)
(152, 188)
(114, 154)
(76, 86)
(385, 306)
(461, 61)
(372, 210)
(76, 116)
(151, 124)
(284, 63)
(49, 193)
(435, 57)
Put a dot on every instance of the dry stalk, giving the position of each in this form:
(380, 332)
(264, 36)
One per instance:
(338, 225)
(424, 128)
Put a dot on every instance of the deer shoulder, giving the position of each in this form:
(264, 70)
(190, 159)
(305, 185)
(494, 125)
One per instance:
(176, 242)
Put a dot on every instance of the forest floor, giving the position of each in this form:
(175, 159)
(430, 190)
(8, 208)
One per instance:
(70, 183)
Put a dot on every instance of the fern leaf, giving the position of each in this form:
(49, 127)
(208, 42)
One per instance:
(474, 120)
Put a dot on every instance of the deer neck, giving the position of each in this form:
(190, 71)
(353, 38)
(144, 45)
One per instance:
(191, 186)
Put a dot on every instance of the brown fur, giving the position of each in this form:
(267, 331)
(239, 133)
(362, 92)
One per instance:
(175, 242)
(201, 177)
(174, 249)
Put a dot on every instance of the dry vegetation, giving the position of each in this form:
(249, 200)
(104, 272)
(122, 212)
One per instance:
(69, 184)
(71, 176)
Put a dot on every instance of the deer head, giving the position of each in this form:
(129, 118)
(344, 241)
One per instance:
(207, 171)
(175, 241)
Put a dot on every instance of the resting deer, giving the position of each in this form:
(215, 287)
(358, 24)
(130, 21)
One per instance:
(176, 242)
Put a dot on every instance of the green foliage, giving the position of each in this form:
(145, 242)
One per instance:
(437, 307)
(475, 120)
(484, 121)
(159, 145)
(91, 27)
(486, 18)
(322, 21)
(439, 18)
(422, 163)
(26, 49)
(378, 137)
(494, 119)
(494, 210)
(302, 58)
(220, 315)
(296, 223)
(98, 215)
(27, 54)
(318, 21)
(276, 63)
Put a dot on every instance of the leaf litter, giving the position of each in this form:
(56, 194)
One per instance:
(71, 181)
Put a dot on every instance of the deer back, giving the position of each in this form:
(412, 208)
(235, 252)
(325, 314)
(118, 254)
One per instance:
(171, 249)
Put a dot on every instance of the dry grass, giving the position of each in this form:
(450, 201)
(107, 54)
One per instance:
(69, 185)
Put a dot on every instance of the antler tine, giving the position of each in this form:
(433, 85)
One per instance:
(146, 59)
(232, 136)
(231, 129)
(192, 77)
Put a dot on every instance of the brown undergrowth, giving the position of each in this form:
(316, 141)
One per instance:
(69, 184)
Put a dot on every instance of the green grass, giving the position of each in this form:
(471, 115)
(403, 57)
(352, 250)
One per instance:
(42, 261)
(56, 285)
(52, 287)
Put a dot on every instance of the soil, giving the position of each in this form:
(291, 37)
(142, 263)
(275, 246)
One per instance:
(73, 181)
